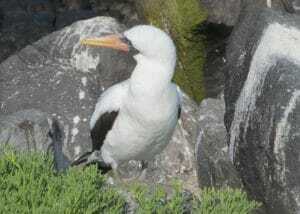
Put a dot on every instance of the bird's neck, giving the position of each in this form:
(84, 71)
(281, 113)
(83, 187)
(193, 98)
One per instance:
(151, 77)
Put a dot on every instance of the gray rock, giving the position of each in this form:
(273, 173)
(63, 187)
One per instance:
(64, 79)
(228, 12)
(26, 130)
(225, 12)
(262, 107)
(31, 130)
(213, 164)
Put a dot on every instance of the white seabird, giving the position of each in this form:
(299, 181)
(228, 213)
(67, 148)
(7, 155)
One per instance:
(135, 119)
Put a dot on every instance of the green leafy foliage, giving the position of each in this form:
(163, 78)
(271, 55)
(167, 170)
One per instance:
(155, 200)
(180, 18)
(28, 184)
(209, 201)
(225, 201)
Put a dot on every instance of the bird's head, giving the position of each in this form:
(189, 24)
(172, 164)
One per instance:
(149, 41)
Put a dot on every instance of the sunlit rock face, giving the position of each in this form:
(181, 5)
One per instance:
(58, 76)
(262, 96)
(214, 167)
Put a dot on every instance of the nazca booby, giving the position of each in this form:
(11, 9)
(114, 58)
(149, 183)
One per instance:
(135, 119)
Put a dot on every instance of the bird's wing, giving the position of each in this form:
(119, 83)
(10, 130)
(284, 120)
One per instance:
(106, 111)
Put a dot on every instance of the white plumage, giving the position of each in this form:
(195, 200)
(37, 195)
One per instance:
(147, 103)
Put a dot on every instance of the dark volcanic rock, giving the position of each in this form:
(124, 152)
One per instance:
(22, 22)
(70, 16)
(228, 12)
(122, 10)
(64, 79)
(225, 12)
(262, 95)
(216, 36)
(214, 167)
(17, 28)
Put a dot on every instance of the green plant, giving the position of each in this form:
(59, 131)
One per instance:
(225, 201)
(209, 201)
(155, 200)
(180, 18)
(29, 184)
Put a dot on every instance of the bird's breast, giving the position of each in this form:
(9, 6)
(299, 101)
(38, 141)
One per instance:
(143, 128)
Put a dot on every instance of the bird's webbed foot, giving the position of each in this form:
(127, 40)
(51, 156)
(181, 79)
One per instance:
(90, 158)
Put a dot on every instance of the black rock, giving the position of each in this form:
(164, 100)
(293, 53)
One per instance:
(23, 22)
(216, 36)
(262, 95)
(1, 18)
(68, 17)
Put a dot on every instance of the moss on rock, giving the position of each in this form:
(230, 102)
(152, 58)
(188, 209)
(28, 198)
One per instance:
(180, 18)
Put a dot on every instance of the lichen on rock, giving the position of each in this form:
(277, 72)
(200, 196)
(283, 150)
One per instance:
(180, 18)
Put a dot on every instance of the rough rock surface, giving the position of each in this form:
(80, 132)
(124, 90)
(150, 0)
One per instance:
(26, 130)
(214, 167)
(228, 12)
(225, 12)
(262, 107)
(59, 76)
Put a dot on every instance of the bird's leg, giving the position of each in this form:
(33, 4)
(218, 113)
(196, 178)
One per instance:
(116, 174)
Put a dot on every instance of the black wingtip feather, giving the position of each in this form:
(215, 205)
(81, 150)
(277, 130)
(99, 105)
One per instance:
(101, 128)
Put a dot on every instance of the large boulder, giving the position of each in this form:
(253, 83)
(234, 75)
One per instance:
(214, 167)
(64, 79)
(262, 117)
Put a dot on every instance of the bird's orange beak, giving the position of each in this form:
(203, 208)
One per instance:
(111, 41)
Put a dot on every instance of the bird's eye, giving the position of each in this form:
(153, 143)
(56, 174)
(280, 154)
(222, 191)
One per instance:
(126, 41)
(132, 49)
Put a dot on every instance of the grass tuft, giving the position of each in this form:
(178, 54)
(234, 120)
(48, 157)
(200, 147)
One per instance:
(29, 184)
